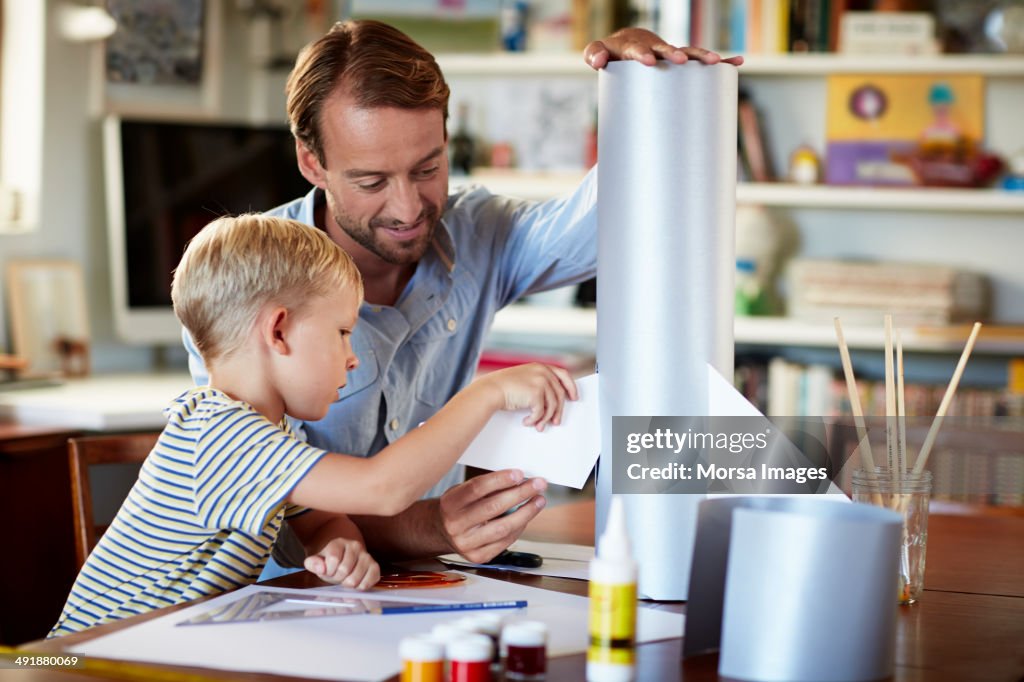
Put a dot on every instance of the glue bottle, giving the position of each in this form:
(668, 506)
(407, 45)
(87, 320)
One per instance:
(610, 656)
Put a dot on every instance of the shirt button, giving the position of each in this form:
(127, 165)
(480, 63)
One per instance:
(451, 324)
(394, 424)
(375, 308)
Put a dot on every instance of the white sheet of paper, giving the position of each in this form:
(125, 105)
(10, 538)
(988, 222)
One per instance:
(560, 560)
(350, 647)
(725, 401)
(563, 454)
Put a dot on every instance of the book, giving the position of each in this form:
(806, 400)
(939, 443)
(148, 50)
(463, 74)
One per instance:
(888, 33)
(862, 291)
(755, 160)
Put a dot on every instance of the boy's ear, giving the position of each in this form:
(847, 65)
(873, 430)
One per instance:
(310, 166)
(273, 327)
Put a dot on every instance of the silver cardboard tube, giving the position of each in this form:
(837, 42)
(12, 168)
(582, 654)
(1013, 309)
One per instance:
(666, 263)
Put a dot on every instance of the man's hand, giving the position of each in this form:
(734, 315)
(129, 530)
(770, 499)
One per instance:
(646, 47)
(471, 513)
(346, 562)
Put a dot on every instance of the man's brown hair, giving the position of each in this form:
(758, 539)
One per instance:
(377, 64)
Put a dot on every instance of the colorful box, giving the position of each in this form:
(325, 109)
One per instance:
(876, 124)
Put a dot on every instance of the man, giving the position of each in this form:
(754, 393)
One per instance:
(368, 108)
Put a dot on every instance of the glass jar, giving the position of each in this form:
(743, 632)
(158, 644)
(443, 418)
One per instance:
(907, 494)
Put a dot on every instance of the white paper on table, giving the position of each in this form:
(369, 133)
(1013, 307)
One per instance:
(560, 560)
(563, 454)
(353, 648)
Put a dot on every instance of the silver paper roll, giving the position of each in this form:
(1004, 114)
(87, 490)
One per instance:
(827, 570)
(666, 261)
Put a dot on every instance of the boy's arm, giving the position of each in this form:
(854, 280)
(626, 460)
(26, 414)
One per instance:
(335, 549)
(316, 528)
(400, 473)
(468, 519)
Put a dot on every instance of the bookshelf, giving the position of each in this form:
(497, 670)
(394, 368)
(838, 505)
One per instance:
(976, 229)
(581, 324)
(531, 65)
(544, 185)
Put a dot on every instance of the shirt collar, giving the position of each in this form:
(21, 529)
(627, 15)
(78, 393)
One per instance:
(443, 245)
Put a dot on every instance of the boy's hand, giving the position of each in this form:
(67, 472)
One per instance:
(540, 388)
(344, 562)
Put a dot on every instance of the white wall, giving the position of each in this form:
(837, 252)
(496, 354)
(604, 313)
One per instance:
(72, 211)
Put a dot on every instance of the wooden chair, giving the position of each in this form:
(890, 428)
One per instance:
(98, 450)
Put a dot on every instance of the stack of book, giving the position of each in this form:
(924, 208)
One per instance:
(763, 26)
(800, 390)
(862, 292)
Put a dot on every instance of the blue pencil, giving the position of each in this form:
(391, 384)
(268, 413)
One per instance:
(472, 606)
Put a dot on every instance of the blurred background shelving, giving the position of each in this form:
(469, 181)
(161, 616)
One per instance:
(977, 229)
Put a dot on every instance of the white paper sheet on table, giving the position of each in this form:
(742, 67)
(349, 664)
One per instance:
(563, 454)
(350, 647)
(560, 560)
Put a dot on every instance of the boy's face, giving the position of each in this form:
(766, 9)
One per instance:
(320, 358)
(386, 178)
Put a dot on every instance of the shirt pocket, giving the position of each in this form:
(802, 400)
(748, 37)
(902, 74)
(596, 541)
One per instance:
(442, 344)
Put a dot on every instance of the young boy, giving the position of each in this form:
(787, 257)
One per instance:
(270, 304)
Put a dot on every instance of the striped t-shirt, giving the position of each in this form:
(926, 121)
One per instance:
(202, 517)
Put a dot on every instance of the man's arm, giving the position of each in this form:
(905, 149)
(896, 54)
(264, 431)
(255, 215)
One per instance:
(468, 519)
(646, 47)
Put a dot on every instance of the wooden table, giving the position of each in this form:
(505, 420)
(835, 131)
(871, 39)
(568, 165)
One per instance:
(969, 625)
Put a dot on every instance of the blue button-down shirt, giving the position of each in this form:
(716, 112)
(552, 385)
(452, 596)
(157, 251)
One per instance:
(414, 356)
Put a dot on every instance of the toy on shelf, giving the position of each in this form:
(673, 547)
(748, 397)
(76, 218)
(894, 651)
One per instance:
(804, 166)
(758, 243)
(945, 156)
(1014, 179)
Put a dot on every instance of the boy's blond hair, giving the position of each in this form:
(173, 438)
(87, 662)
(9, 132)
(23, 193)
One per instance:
(237, 265)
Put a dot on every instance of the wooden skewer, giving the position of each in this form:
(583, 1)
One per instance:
(933, 432)
(890, 400)
(901, 409)
(851, 388)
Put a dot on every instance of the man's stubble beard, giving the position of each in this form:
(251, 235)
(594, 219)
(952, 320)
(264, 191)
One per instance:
(400, 253)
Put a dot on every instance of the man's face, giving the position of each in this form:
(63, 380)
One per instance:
(386, 178)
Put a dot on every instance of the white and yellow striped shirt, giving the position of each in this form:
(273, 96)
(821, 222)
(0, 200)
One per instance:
(202, 517)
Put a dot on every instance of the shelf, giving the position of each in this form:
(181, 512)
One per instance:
(512, 183)
(541, 321)
(515, 64)
(827, 64)
(540, 186)
(943, 199)
(772, 331)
